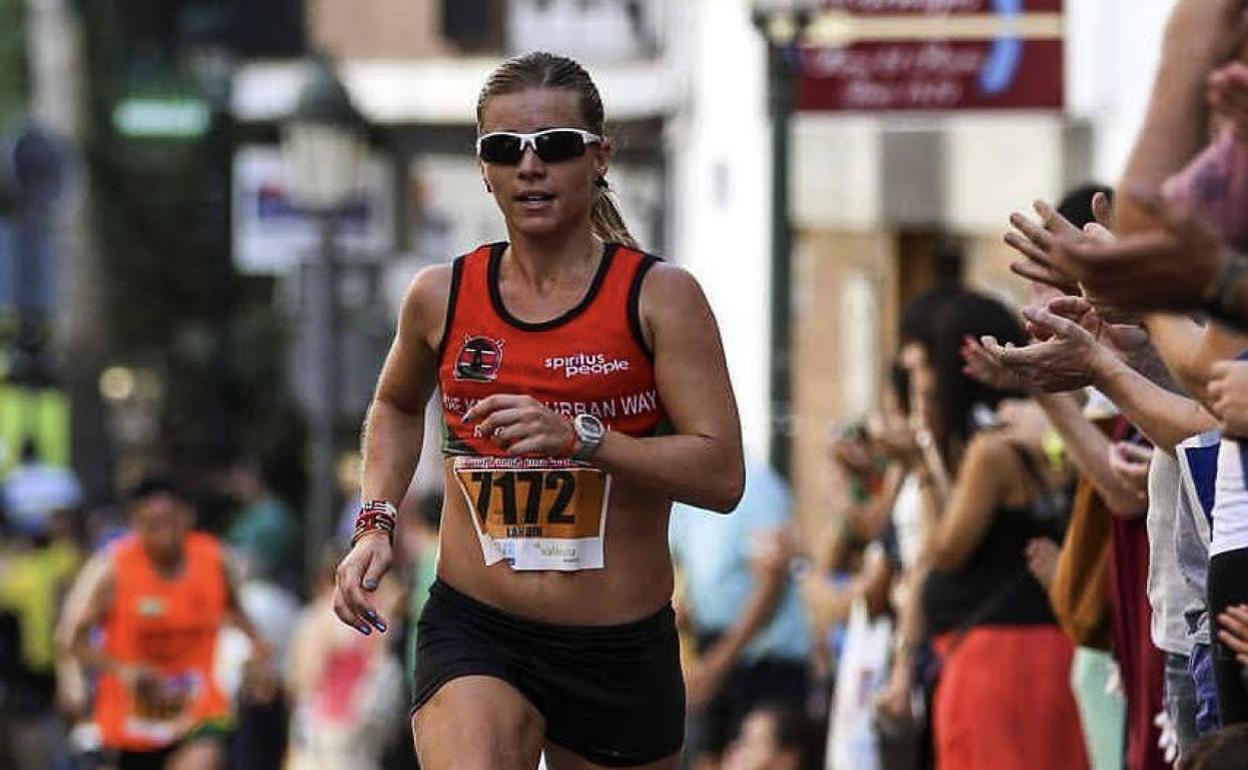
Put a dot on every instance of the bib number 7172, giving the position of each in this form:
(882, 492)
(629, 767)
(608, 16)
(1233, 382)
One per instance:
(525, 497)
(536, 513)
(554, 499)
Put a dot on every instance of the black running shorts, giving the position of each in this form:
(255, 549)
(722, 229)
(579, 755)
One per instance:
(612, 694)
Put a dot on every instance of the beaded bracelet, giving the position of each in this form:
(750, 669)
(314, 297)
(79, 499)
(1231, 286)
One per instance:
(375, 516)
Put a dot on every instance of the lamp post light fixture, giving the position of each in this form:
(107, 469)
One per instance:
(325, 143)
(782, 24)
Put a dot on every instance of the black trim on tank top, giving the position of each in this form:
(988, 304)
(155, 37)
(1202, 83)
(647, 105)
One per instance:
(452, 297)
(634, 302)
(496, 296)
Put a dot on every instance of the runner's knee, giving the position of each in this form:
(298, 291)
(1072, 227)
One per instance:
(477, 722)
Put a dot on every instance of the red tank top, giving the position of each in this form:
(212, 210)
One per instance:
(593, 358)
(170, 625)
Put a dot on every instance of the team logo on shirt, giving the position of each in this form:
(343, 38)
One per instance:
(151, 606)
(577, 364)
(479, 359)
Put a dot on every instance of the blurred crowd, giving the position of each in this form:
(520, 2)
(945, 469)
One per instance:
(298, 689)
(1036, 556)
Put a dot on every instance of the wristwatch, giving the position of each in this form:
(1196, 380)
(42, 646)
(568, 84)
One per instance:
(589, 432)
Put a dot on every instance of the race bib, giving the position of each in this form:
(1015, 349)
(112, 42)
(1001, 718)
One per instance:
(537, 514)
(162, 713)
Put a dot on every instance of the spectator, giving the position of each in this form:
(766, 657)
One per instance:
(35, 489)
(1223, 750)
(772, 737)
(255, 685)
(419, 535)
(36, 570)
(263, 530)
(988, 615)
(160, 596)
(753, 643)
(346, 688)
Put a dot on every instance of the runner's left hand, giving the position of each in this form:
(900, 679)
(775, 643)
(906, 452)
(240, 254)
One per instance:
(521, 425)
(358, 575)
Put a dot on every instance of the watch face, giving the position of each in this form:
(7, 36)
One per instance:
(589, 426)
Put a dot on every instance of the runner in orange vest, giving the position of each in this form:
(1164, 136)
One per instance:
(160, 595)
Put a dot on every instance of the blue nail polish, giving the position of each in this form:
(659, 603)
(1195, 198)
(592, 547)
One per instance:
(364, 630)
(380, 626)
(370, 585)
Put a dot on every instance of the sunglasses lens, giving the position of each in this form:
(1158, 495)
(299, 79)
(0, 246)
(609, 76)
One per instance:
(500, 148)
(554, 146)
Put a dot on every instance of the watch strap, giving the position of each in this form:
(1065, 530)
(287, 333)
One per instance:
(585, 446)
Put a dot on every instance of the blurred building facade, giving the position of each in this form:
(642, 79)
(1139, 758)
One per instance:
(874, 198)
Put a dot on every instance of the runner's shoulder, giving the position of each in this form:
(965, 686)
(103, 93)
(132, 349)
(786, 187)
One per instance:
(424, 304)
(669, 295)
(665, 282)
(97, 576)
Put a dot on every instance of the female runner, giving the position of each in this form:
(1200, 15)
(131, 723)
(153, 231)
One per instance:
(583, 388)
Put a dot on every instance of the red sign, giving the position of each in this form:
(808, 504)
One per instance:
(892, 64)
(932, 75)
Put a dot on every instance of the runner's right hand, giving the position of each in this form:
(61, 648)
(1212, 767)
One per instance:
(358, 575)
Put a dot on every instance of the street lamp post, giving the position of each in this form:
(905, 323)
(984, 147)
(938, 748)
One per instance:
(324, 143)
(781, 23)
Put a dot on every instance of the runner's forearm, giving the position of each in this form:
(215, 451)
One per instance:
(696, 470)
(391, 448)
(80, 649)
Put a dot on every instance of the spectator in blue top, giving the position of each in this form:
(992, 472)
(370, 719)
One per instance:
(263, 533)
(745, 611)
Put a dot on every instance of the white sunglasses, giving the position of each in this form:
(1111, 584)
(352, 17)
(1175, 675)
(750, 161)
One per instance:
(551, 145)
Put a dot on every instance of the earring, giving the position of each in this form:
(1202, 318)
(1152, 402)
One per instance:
(487, 186)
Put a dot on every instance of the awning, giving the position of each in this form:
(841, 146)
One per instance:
(441, 91)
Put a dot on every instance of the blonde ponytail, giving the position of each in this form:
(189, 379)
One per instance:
(607, 221)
